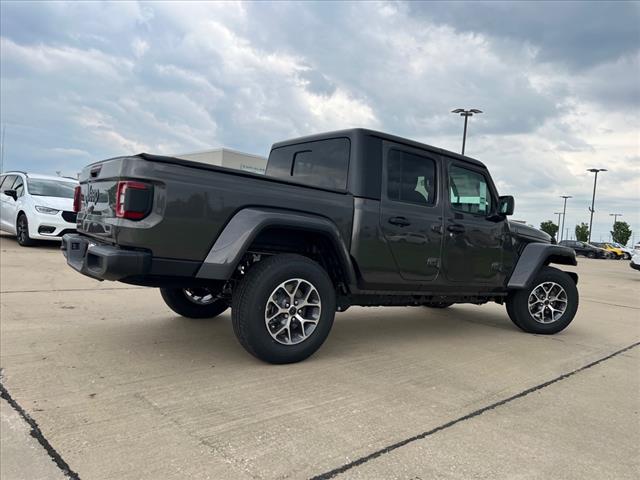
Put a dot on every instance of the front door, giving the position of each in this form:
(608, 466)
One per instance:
(474, 244)
(410, 214)
(7, 205)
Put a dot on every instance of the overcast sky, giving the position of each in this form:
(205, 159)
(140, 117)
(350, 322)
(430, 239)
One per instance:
(559, 84)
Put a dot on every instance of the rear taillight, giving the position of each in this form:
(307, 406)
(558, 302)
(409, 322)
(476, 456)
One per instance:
(77, 193)
(133, 200)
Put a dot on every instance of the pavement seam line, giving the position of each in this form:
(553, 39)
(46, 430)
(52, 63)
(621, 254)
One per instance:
(362, 460)
(37, 433)
(72, 290)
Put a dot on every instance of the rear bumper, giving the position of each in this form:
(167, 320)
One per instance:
(103, 262)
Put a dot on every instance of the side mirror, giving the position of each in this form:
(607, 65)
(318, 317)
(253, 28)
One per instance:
(506, 205)
(11, 193)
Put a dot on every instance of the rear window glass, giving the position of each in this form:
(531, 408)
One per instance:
(324, 163)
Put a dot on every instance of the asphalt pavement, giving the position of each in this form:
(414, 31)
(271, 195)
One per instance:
(103, 381)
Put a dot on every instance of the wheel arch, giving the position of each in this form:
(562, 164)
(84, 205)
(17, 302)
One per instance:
(255, 228)
(534, 257)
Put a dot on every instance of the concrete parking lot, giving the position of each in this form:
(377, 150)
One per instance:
(105, 382)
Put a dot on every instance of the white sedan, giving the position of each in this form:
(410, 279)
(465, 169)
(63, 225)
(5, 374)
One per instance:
(36, 207)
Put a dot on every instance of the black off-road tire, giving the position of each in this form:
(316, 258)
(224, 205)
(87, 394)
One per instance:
(249, 303)
(590, 255)
(22, 232)
(177, 300)
(518, 308)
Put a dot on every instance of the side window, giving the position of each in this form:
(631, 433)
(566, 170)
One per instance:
(410, 178)
(7, 182)
(324, 163)
(18, 186)
(468, 191)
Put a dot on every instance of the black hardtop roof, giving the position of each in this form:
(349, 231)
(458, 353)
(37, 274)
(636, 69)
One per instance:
(360, 132)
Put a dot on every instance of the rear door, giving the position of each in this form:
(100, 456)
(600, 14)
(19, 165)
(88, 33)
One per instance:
(473, 244)
(410, 212)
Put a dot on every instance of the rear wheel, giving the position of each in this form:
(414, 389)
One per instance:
(547, 306)
(283, 309)
(591, 255)
(194, 302)
(22, 232)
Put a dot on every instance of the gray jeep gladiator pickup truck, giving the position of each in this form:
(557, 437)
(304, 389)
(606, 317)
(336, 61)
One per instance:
(354, 217)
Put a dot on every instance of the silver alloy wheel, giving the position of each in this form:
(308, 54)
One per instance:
(292, 311)
(200, 296)
(547, 302)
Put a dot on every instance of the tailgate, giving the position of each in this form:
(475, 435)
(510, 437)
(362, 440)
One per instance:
(99, 188)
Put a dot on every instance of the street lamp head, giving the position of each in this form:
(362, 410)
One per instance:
(466, 113)
(596, 170)
(566, 196)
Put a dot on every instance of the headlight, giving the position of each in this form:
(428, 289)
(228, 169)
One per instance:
(50, 211)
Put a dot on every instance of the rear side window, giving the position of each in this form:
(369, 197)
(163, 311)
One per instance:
(324, 163)
(410, 178)
(468, 191)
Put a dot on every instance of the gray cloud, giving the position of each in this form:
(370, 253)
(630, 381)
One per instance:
(558, 83)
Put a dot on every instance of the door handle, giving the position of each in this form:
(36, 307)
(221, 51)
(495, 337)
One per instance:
(400, 221)
(456, 228)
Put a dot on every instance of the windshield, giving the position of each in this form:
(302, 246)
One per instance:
(51, 188)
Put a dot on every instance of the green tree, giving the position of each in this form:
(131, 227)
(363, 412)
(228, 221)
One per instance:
(621, 233)
(549, 227)
(582, 232)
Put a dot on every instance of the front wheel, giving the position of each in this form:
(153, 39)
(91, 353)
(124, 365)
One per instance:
(22, 232)
(194, 302)
(547, 306)
(283, 310)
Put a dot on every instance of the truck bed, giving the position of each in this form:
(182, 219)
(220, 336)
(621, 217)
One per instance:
(192, 202)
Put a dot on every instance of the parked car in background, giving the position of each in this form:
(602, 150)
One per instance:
(628, 252)
(585, 249)
(635, 262)
(615, 252)
(36, 207)
(636, 248)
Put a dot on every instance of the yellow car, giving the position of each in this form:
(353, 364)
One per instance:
(617, 252)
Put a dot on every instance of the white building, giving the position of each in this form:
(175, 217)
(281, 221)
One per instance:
(226, 157)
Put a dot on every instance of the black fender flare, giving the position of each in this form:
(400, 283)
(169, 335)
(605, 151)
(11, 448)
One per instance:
(534, 257)
(236, 237)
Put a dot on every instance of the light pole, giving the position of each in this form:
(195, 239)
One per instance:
(558, 213)
(466, 114)
(615, 217)
(564, 212)
(615, 220)
(593, 198)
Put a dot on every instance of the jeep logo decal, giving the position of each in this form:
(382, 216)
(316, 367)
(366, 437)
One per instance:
(94, 195)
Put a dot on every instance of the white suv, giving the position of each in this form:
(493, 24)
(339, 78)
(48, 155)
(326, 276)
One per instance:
(36, 207)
